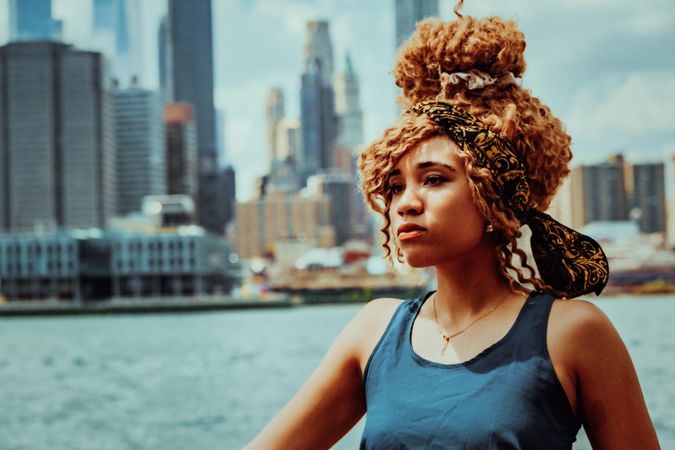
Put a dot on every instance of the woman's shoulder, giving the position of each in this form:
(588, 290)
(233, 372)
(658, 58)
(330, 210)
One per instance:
(376, 315)
(373, 319)
(574, 317)
(381, 306)
(580, 332)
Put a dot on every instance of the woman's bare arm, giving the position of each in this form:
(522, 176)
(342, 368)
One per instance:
(332, 400)
(609, 399)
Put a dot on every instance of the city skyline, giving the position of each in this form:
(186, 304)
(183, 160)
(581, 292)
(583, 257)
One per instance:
(600, 68)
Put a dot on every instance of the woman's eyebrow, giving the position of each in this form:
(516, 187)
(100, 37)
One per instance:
(427, 164)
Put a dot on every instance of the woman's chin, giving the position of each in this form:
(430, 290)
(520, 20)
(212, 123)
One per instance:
(418, 261)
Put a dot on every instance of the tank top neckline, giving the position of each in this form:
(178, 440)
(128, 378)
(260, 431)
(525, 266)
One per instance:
(489, 349)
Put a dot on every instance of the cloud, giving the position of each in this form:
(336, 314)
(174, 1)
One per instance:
(634, 114)
(643, 103)
(649, 22)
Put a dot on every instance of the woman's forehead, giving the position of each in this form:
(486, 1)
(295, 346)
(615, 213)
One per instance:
(439, 149)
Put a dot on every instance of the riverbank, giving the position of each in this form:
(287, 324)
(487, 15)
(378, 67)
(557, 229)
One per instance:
(141, 306)
(267, 300)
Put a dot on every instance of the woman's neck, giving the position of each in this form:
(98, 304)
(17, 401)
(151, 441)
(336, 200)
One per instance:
(468, 286)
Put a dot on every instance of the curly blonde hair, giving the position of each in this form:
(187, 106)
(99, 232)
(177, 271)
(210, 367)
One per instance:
(422, 70)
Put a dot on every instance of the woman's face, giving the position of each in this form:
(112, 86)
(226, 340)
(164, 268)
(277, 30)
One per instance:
(433, 216)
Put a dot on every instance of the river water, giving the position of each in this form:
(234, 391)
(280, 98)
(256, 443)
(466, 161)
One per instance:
(212, 380)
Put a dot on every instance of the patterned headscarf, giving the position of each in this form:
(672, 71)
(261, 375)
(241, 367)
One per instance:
(567, 260)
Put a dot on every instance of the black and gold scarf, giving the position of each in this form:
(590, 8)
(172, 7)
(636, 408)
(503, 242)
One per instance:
(567, 260)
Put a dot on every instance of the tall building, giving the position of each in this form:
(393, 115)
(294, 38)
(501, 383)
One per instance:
(348, 108)
(141, 155)
(188, 72)
(274, 112)
(605, 196)
(317, 106)
(288, 139)
(283, 173)
(670, 229)
(350, 138)
(31, 20)
(181, 149)
(649, 196)
(117, 27)
(339, 188)
(217, 190)
(568, 204)
(221, 149)
(190, 63)
(165, 63)
(227, 192)
(57, 151)
(408, 13)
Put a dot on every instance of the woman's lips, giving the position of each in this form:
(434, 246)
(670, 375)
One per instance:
(408, 231)
(408, 235)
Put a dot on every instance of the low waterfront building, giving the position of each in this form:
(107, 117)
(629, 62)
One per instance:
(39, 267)
(93, 264)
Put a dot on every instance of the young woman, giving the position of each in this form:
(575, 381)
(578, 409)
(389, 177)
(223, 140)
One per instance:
(483, 362)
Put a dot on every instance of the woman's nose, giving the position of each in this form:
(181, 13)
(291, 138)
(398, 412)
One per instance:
(409, 202)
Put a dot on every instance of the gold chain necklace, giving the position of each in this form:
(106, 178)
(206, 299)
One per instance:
(446, 337)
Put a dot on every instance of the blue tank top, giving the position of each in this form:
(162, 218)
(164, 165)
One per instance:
(507, 397)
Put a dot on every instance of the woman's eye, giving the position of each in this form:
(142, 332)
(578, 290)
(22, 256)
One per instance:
(395, 188)
(434, 179)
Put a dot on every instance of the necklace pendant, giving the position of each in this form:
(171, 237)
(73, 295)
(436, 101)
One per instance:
(446, 340)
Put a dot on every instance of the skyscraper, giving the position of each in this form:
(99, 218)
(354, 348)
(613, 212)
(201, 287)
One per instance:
(408, 13)
(283, 174)
(317, 106)
(188, 72)
(339, 187)
(568, 204)
(31, 20)
(274, 112)
(141, 155)
(57, 153)
(605, 196)
(116, 27)
(288, 139)
(649, 196)
(221, 149)
(181, 149)
(190, 64)
(348, 108)
(670, 228)
(350, 137)
(163, 57)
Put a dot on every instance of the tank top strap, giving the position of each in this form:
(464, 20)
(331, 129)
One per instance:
(532, 321)
(393, 340)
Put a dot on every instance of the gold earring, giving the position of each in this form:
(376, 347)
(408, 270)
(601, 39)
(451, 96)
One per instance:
(489, 228)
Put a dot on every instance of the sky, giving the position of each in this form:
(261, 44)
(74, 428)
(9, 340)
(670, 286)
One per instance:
(605, 67)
